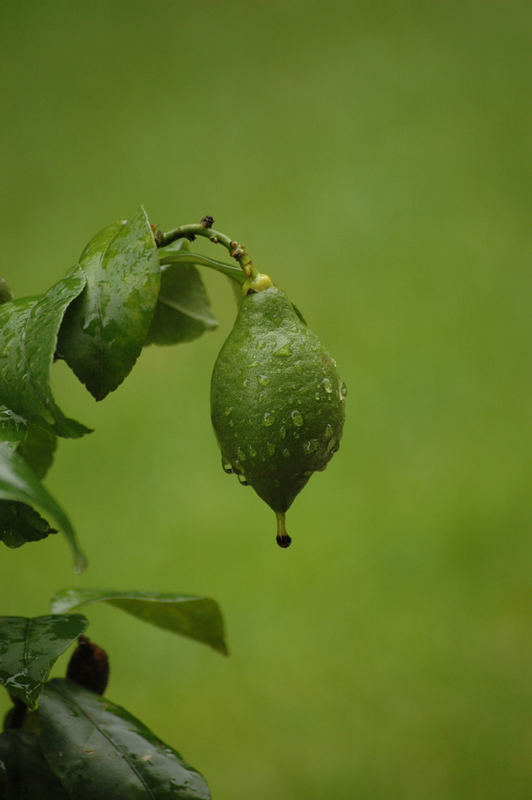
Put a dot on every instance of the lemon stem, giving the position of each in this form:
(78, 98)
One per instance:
(205, 229)
(168, 255)
(283, 539)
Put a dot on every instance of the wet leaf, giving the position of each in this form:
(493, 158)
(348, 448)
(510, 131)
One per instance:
(98, 750)
(27, 774)
(36, 445)
(19, 483)
(38, 449)
(183, 312)
(20, 524)
(28, 338)
(29, 647)
(197, 618)
(105, 328)
(13, 427)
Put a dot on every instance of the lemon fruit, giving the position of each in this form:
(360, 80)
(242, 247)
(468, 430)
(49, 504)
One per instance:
(277, 401)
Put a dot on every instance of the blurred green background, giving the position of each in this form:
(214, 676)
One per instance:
(375, 159)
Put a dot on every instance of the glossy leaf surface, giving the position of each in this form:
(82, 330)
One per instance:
(197, 618)
(27, 774)
(36, 445)
(28, 337)
(183, 312)
(98, 750)
(20, 523)
(104, 330)
(29, 647)
(19, 483)
(37, 449)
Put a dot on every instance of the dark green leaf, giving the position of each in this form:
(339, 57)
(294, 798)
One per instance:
(36, 445)
(19, 524)
(29, 647)
(13, 427)
(38, 449)
(183, 312)
(19, 483)
(197, 618)
(28, 339)
(98, 750)
(104, 329)
(27, 774)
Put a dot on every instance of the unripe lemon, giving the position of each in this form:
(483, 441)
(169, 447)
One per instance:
(277, 401)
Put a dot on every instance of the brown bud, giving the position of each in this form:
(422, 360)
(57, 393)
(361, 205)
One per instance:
(89, 666)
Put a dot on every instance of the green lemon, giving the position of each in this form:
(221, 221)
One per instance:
(277, 401)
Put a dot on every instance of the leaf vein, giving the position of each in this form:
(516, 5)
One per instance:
(70, 701)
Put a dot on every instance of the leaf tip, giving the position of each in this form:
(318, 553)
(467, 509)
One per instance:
(80, 562)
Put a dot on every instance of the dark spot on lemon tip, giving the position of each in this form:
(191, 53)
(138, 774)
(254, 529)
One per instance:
(284, 541)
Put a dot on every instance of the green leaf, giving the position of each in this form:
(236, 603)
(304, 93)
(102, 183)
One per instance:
(13, 427)
(27, 774)
(36, 445)
(19, 483)
(104, 329)
(183, 312)
(98, 750)
(20, 523)
(38, 449)
(28, 339)
(29, 647)
(197, 618)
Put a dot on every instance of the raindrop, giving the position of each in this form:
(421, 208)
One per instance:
(332, 446)
(268, 419)
(297, 418)
(327, 385)
(252, 451)
(328, 431)
(286, 452)
(311, 446)
(282, 432)
(227, 468)
(263, 380)
(283, 351)
(242, 480)
(228, 411)
(343, 391)
(270, 448)
(240, 453)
